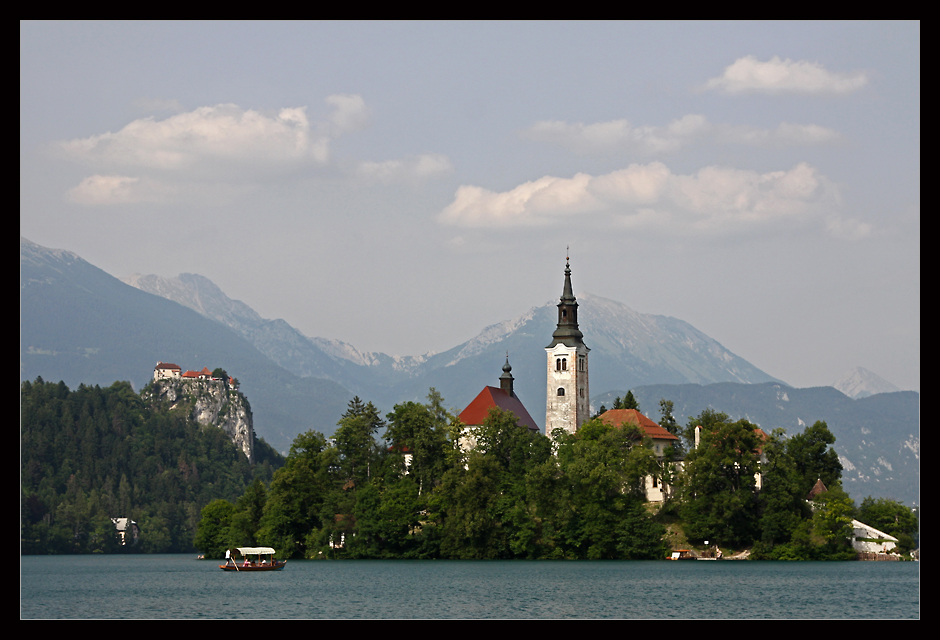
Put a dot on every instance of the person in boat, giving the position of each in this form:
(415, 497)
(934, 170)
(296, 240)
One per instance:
(228, 556)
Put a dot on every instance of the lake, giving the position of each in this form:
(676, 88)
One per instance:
(178, 586)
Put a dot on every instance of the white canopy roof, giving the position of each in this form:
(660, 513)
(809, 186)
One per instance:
(246, 551)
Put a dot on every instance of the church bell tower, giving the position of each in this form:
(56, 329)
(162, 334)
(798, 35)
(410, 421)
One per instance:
(567, 397)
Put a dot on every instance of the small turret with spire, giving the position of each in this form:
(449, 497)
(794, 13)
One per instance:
(505, 380)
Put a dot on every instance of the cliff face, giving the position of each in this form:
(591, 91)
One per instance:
(210, 403)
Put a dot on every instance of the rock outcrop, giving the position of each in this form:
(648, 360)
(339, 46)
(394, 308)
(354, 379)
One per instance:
(210, 403)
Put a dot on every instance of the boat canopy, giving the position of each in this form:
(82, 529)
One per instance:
(250, 551)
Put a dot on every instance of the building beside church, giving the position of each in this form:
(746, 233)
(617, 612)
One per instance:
(567, 396)
(656, 491)
(504, 398)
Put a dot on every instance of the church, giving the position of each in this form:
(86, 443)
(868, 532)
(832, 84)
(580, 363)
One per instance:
(568, 399)
(567, 392)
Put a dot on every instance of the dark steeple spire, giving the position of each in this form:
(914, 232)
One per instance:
(567, 331)
(505, 380)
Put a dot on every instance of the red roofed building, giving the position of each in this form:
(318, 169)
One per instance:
(662, 439)
(503, 398)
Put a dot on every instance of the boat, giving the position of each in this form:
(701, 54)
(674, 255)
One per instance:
(253, 560)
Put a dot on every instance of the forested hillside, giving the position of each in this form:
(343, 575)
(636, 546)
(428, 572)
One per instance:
(95, 453)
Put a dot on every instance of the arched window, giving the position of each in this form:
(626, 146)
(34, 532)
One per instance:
(557, 364)
(564, 364)
(561, 391)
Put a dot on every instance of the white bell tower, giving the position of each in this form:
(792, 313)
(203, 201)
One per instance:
(567, 395)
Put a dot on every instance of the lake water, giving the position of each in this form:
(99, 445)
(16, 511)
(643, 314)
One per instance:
(178, 586)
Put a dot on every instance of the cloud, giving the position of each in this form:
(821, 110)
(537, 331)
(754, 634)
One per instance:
(412, 169)
(98, 189)
(619, 135)
(750, 75)
(714, 200)
(224, 149)
(206, 138)
(350, 114)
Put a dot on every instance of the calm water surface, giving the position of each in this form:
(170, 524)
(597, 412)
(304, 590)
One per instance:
(177, 586)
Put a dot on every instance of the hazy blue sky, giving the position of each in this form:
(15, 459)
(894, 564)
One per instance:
(399, 186)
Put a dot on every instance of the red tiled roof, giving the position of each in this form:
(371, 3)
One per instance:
(490, 397)
(190, 374)
(617, 417)
(166, 365)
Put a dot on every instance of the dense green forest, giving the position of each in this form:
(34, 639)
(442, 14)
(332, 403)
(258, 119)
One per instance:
(93, 454)
(401, 487)
(416, 494)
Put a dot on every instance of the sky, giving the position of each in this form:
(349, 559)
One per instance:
(400, 186)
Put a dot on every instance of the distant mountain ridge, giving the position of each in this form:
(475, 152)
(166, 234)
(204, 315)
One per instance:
(860, 383)
(628, 348)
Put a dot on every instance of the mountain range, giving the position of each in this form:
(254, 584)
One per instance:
(82, 325)
(627, 349)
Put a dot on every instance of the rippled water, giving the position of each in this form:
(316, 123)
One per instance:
(177, 586)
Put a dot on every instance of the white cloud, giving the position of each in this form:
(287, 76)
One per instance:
(217, 140)
(98, 189)
(206, 138)
(351, 113)
(619, 135)
(411, 169)
(224, 149)
(750, 75)
(713, 200)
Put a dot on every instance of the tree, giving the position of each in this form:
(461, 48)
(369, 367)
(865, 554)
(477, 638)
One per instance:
(783, 503)
(246, 520)
(212, 535)
(666, 420)
(483, 506)
(296, 497)
(627, 402)
(719, 486)
(599, 510)
(355, 440)
(814, 458)
(892, 517)
(832, 523)
(419, 431)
